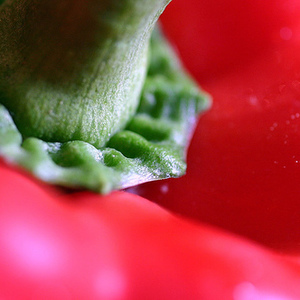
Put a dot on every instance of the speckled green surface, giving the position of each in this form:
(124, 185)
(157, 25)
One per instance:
(151, 146)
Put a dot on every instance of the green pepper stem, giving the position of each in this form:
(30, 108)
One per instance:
(74, 69)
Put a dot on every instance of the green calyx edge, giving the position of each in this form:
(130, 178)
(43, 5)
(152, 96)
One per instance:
(152, 146)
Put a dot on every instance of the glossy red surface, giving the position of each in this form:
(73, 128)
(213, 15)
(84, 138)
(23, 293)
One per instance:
(243, 162)
(121, 246)
(243, 174)
(214, 36)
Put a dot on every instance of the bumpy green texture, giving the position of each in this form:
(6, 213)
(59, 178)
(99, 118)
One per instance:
(73, 69)
(152, 145)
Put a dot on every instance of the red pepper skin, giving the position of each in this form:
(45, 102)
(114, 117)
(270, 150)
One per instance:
(215, 36)
(121, 246)
(243, 163)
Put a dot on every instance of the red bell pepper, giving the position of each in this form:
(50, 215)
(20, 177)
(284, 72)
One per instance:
(243, 163)
(217, 36)
(242, 176)
(121, 246)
